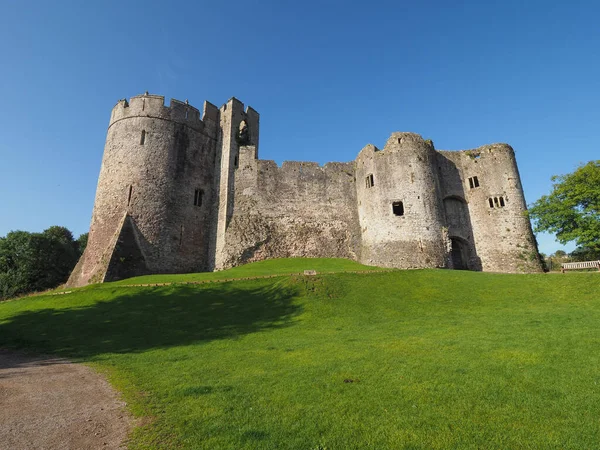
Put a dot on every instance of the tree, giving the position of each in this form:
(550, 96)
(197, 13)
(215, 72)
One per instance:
(585, 254)
(82, 241)
(36, 261)
(59, 253)
(572, 210)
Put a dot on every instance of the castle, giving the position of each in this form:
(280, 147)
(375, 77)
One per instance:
(179, 192)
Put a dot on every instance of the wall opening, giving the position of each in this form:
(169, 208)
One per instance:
(235, 161)
(186, 114)
(129, 195)
(497, 202)
(143, 137)
(370, 182)
(458, 254)
(398, 208)
(473, 182)
(198, 194)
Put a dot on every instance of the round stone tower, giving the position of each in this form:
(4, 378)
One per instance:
(155, 197)
(399, 204)
(501, 228)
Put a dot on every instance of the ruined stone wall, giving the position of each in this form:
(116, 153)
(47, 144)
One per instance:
(232, 118)
(180, 193)
(500, 232)
(299, 209)
(399, 204)
(456, 208)
(156, 161)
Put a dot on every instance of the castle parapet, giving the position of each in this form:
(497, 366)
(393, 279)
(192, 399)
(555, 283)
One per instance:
(211, 112)
(148, 105)
(485, 152)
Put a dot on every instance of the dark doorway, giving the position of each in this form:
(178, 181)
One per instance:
(459, 254)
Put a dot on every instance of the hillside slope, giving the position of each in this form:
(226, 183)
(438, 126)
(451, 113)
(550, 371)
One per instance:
(400, 359)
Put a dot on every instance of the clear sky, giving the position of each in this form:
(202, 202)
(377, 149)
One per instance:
(327, 78)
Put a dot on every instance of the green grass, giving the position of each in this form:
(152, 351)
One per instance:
(262, 268)
(400, 359)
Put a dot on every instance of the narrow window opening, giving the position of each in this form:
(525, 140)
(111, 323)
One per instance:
(198, 194)
(235, 161)
(369, 181)
(129, 196)
(496, 204)
(143, 104)
(491, 202)
(473, 182)
(143, 138)
(398, 208)
(502, 201)
(181, 236)
(186, 114)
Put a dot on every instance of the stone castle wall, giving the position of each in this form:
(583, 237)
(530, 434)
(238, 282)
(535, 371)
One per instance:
(155, 159)
(500, 231)
(409, 234)
(298, 209)
(178, 192)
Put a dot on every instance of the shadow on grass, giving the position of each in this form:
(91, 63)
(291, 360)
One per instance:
(141, 319)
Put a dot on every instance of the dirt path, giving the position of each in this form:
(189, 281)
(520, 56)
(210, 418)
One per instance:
(50, 403)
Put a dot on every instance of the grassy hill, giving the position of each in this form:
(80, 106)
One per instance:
(395, 359)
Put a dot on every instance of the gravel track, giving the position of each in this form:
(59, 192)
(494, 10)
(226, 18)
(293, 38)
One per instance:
(51, 403)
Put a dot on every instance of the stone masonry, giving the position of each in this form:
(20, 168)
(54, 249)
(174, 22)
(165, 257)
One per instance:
(183, 192)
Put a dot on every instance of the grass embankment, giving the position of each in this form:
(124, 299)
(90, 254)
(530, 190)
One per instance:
(270, 267)
(402, 359)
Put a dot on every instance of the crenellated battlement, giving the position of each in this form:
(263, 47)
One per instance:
(149, 105)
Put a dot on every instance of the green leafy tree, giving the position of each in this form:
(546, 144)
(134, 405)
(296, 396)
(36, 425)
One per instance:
(82, 241)
(585, 254)
(14, 252)
(59, 254)
(36, 261)
(572, 210)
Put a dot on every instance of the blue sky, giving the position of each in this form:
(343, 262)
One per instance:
(326, 77)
